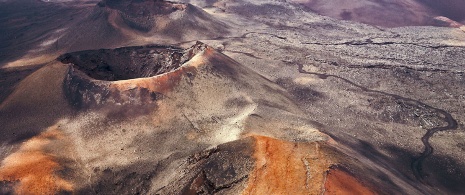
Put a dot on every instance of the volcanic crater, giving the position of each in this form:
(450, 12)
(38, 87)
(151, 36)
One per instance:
(128, 75)
(128, 62)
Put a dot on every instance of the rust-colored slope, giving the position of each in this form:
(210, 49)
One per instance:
(34, 168)
(207, 99)
(288, 168)
(342, 183)
(284, 167)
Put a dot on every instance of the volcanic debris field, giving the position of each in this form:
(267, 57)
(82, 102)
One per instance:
(232, 97)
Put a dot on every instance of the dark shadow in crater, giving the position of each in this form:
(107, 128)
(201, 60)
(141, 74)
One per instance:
(127, 63)
(140, 15)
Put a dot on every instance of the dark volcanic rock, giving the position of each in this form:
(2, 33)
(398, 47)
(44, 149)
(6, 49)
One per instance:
(220, 169)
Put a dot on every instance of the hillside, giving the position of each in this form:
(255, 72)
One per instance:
(228, 97)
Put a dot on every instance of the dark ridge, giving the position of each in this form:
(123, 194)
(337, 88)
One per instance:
(139, 8)
(127, 63)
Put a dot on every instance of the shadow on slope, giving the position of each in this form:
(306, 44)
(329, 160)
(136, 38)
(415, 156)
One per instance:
(441, 173)
(28, 26)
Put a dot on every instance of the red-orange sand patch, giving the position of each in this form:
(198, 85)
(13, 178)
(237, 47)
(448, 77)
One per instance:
(341, 183)
(34, 168)
(284, 167)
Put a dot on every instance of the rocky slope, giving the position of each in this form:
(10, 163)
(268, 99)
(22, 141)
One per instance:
(206, 124)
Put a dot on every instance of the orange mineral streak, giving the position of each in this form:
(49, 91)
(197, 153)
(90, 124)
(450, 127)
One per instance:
(341, 183)
(162, 83)
(288, 168)
(33, 168)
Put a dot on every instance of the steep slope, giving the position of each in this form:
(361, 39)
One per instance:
(162, 119)
(136, 110)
